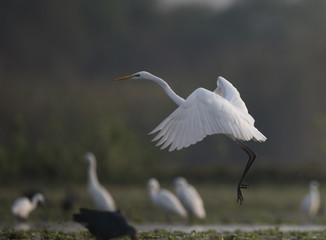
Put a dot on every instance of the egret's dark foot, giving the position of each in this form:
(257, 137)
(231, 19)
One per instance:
(239, 196)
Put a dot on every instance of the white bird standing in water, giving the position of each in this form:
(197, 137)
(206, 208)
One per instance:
(189, 197)
(205, 113)
(311, 202)
(23, 206)
(165, 199)
(101, 197)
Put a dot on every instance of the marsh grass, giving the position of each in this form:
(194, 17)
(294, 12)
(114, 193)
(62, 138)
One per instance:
(265, 203)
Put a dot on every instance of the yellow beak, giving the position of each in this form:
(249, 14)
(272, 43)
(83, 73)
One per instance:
(123, 78)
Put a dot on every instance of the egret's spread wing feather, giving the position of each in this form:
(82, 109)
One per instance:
(232, 95)
(205, 113)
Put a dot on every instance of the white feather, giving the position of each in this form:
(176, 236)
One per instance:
(165, 199)
(311, 202)
(23, 206)
(205, 113)
(189, 197)
(101, 197)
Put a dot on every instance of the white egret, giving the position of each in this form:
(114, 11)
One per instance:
(311, 202)
(189, 197)
(23, 206)
(205, 113)
(101, 197)
(165, 199)
(30, 193)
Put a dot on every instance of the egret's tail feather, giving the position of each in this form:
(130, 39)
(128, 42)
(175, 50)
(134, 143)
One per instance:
(258, 136)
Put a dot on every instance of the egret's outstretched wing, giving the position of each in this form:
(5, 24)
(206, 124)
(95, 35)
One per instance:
(205, 113)
(232, 95)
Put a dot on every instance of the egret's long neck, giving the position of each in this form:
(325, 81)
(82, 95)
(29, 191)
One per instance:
(177, 99)
(34, 202)
(153, 193)
(92, 177)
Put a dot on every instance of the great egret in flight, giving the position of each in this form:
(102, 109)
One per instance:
(165, 199)
(105, 224)
(311, 202)
(101, 197)
(189, 197)
(23, 206)
(205, 113)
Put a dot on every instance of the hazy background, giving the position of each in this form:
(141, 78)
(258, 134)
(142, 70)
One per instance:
(58, 100)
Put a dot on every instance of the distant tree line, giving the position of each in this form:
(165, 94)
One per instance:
(57, 98)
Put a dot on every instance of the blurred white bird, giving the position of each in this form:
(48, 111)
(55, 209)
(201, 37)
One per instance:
(165, 199)
(23, 206)
(190, 198)
(204, 113)
(101, 197)
(311, 202)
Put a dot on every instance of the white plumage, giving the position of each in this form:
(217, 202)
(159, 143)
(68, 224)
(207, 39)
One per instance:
(101, 197)
(165, 199)
(205, 113)
(23, 206)
(189, 197)
(311, 202)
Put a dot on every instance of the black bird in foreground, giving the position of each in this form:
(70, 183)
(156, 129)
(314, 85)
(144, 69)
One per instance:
(69, 200)
(105, 224)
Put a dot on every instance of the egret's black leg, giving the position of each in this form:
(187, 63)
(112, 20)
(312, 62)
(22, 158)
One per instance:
(252, 157)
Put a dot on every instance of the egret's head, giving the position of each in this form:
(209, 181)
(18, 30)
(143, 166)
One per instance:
(153, 185)
(180, 181)
(39, 198)
(90, 157)
(314, 185)
(139, 75)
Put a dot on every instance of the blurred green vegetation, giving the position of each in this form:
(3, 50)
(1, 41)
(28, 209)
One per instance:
(57, 98)
(266, 203)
